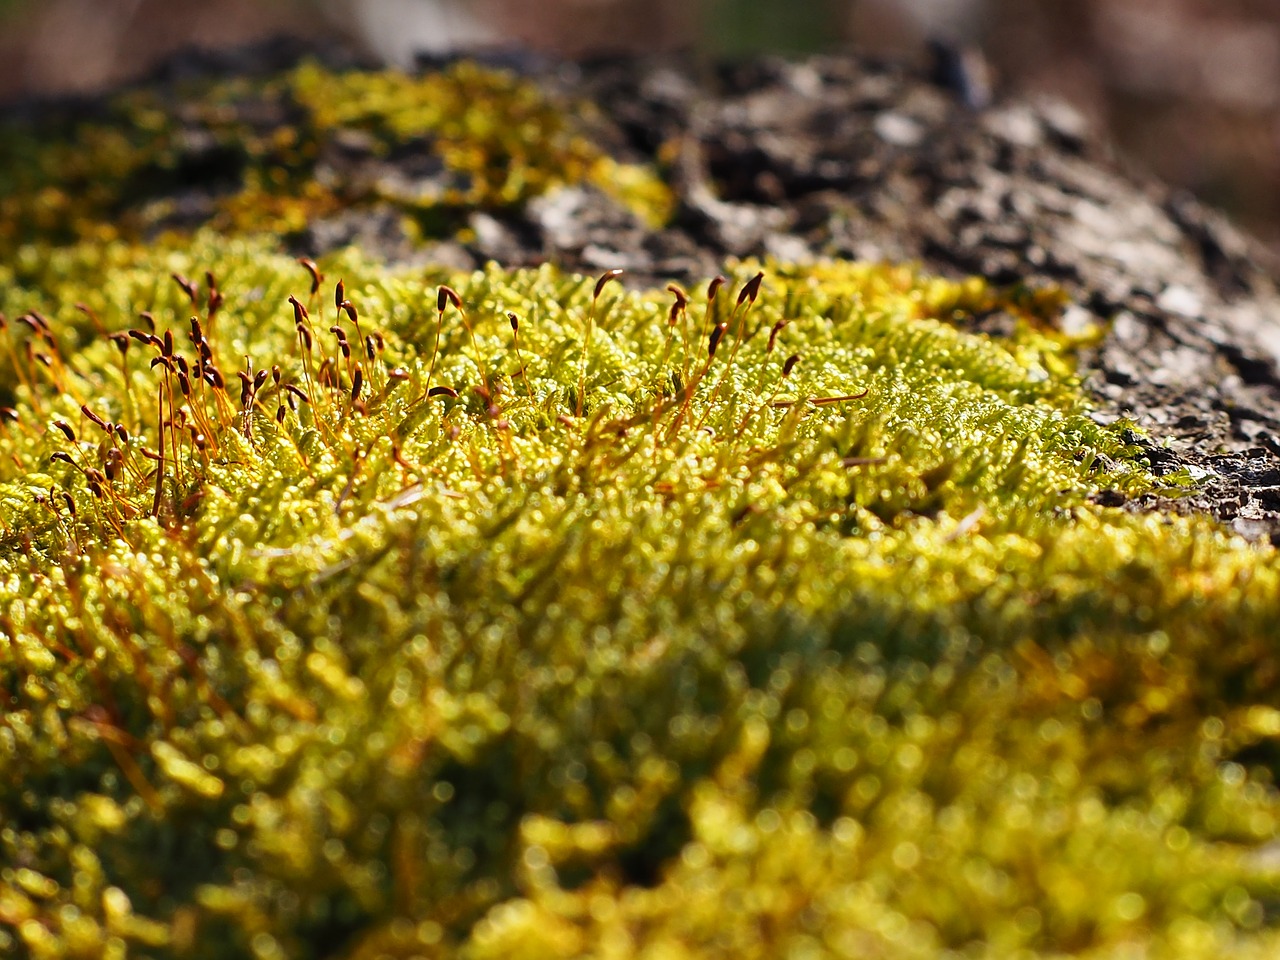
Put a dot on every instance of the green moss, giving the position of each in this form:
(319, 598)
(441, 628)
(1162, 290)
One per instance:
(722, 666)
(624, 649)
(252, 148)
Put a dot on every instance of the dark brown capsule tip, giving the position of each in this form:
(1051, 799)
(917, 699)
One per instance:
(605, 278)
(751, 289)
(682, 298)
(316, 276)
(187, 286)
(515, 322)
(446, 296)
(168, 343)
(790, 364)
(146, 317)
(349, 309)
(280, 413)
(339, 294)
(716, 334)
(8, 415)
(66, 429)
(714, 287)
(62, 457)
(773, 335)
(443, 392)
(357, 381)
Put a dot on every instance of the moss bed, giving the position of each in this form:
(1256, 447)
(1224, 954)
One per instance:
(355, 610)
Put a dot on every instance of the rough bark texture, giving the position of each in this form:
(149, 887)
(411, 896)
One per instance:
(836, 157)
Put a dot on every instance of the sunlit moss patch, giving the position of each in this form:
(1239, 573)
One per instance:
(521, 614)
(245, 155)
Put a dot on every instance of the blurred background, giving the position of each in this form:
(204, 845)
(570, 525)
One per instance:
(1189, 89)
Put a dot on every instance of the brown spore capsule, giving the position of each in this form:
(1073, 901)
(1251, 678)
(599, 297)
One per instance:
(187, 286)
(714, 340)
(751, 289)
(316, 276)
(773, 335)
(605, 278)
(446, 296)
(84, 408)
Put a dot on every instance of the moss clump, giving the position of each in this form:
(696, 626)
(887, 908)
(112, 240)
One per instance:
(633, 646)
(244, 156)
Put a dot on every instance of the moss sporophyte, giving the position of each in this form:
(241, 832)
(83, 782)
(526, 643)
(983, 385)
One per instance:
(515, 613)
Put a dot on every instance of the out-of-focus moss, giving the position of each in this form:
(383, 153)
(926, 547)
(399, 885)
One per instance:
(243, 155)
(627, 649)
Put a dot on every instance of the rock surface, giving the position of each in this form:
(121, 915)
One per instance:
(834, 157)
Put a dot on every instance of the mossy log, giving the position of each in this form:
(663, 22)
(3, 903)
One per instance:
(587, 512)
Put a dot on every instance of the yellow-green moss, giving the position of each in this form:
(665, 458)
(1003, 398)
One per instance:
(625, 649)
(721, 667)
(121, 170)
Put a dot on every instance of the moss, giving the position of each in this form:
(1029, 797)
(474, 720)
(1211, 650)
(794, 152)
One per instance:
(572, 634)
(243, 155)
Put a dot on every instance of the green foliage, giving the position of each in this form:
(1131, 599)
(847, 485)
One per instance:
(703, 660)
